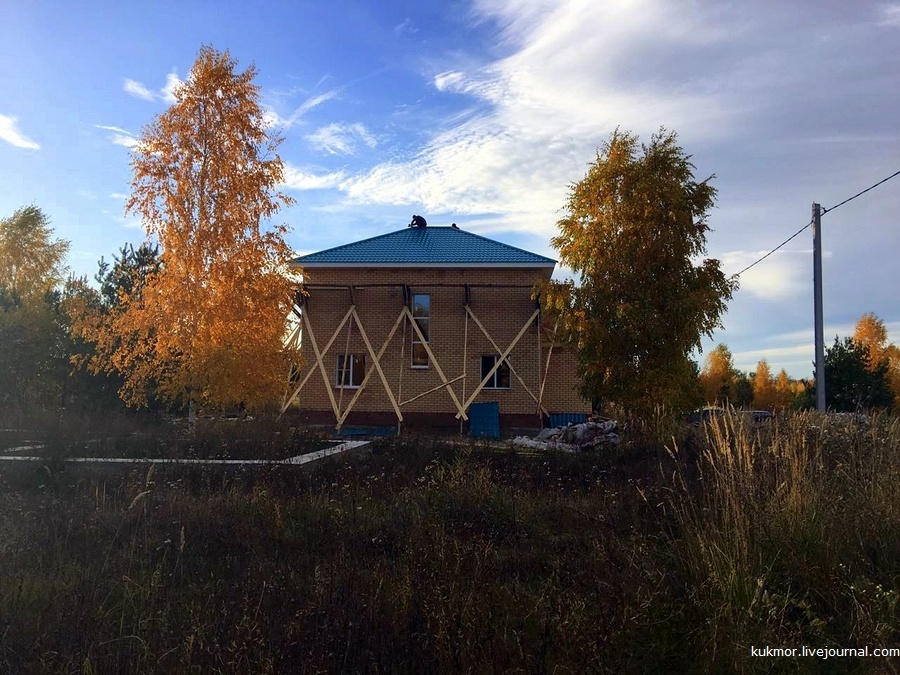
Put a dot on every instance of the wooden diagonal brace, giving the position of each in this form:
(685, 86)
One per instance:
(377, 366)
(371, 369)
(319, 364)
(500, 360)
(431, 391)
(508, 362)
(547, 367)
(461, 410)
(291, 345)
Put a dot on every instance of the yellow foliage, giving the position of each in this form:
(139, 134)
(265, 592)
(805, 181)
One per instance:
(31, 261)
(634, 232)
(717, 375)
(786, 391)
(211, 323)
(872, 334)
(764, 388)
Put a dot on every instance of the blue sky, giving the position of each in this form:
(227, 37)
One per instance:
(482, 113)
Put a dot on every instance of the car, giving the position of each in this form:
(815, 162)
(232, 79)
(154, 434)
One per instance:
(705, 414)
(759, 416)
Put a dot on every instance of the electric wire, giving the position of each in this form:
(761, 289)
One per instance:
(760, 259)
(858, 194)
(822, 213)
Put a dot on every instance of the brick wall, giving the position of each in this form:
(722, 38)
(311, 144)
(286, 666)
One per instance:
(456, 342)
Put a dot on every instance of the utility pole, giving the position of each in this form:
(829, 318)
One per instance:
(817, 292)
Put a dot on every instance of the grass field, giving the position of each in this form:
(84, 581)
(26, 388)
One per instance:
(668, 554)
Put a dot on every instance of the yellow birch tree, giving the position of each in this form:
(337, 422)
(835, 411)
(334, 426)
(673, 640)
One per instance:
(634, 232)
(717, 375)
(210, 324)
(786, 390)
(764, 392)
(871, 333)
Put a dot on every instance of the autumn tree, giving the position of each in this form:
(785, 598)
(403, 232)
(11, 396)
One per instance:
(32, 266)
(871, 333)
(718, 375)
(32, 261)
(634, 228)
(210, 323)
(786, 391)
(101, 315)
(764, 391)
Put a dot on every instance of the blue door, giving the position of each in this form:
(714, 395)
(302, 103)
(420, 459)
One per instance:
(484, 420)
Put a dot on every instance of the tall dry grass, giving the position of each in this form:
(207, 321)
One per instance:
(788, 533)
(436, 557)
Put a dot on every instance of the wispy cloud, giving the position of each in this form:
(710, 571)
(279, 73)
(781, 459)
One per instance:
(784, 275)
(341, 138)
(138, 90)
(300, 179)
(536, 115)
(890, 14)
(407, 27)
(10, 133)
(273, 119)
(120, 136)
(166, 93)
(129, 221)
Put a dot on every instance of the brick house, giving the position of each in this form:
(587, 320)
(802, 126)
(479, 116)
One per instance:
(416, 325)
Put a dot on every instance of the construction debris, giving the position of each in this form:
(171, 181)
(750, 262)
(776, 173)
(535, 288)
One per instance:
(591, 435)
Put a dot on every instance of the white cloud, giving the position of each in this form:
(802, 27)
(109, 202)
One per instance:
(784, 274)
(273, 119)
(405, 28)
(118, 195)
(138, 90)
(120, 136)
(298, 179)
(10, 133)
(166, 93)
(340, 138)
(890, 15)
(540, 112)
(129, 221)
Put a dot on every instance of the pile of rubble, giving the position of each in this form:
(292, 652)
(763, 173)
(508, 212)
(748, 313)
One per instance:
(590, 435)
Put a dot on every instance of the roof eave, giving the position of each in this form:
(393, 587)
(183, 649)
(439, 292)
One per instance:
(295, 264)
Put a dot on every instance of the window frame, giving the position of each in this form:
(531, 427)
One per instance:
(426, 331)
(494, 382)
(354, 359)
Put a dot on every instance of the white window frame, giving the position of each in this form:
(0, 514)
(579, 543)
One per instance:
(493, 382)
(414, 338)
(351, 360)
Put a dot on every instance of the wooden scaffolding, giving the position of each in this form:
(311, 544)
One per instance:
(305, 331)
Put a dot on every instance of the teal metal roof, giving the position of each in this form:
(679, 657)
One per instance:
(432, 246)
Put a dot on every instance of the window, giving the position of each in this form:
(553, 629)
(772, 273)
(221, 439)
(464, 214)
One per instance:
(500, 378)
(351, 369)
(421, 311)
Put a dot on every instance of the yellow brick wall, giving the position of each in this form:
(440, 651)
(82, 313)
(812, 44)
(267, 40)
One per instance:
(457, 344)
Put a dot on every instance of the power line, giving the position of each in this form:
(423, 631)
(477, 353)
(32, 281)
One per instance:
(824, 211)
(871, 187)
(759, 260)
